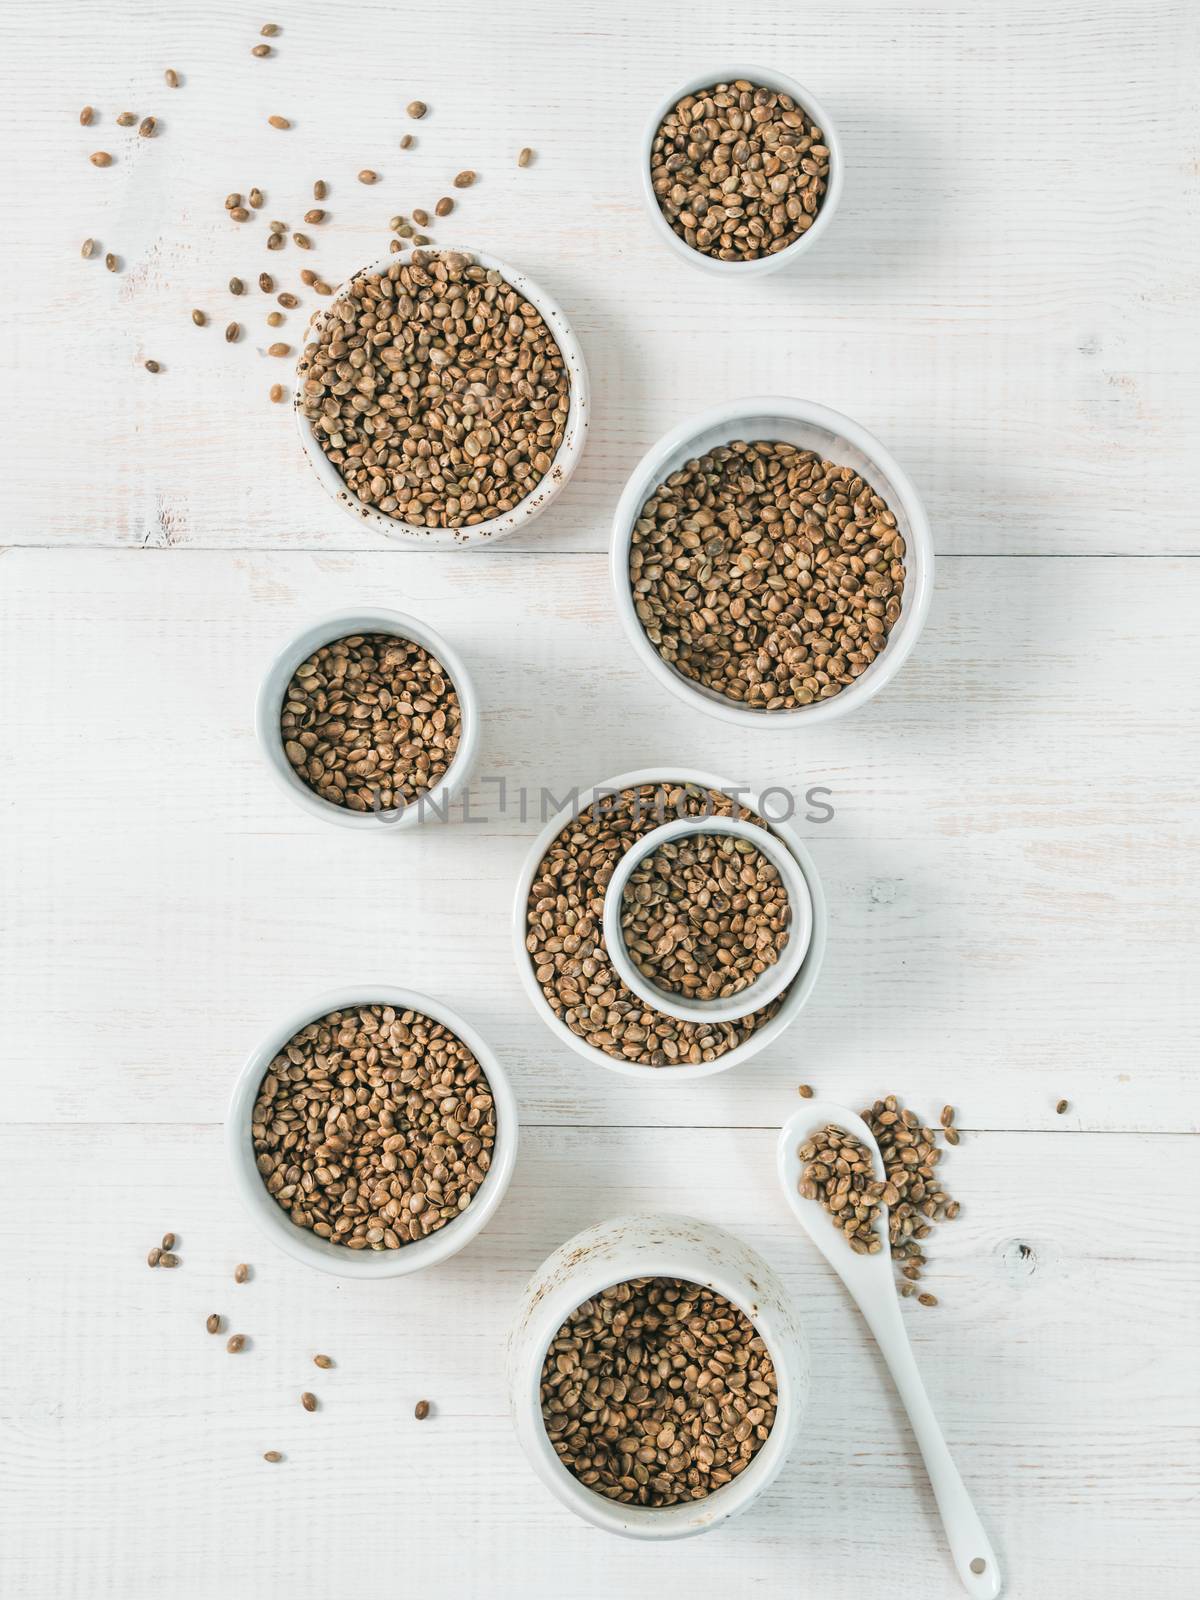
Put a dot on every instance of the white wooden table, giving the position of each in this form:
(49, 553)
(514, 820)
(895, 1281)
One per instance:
(1009, 299)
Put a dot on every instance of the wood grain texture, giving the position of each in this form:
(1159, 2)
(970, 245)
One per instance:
(1050, 1355)
(1007, 298)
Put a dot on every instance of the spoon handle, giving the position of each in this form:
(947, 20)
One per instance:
(969, 1544)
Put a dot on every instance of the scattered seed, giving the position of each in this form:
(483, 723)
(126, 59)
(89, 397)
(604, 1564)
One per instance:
(806, 1092)
(168, 1241)
(152, 366)
(322, 287)
(213, 1322)
(951, 1135)
(275, 319)
(255, 198)
(444, 206)
(168, 1259)
(86, 116)
(947, 1116)
(112, 262)
(407, 142)
(927, 1299)
(272, 1455)
(236, 286)
(421, 1410)
(266, 283)
(233, 333)
(241, 1272)
(525, 157)
(307, 275)
(279, 122)
(276, 392)
(171, 78)
(417, 108)
(464, 180)
(302, 241)
(269, 30)
(1063, 1105)
(232, 201)
(146, 127)
(101, 158)
(367, 176)
(288, 301)
(235, 1342)
(260, 50)
(240, 214)
(279, 350)
(127, 119)
(275, 241)
(421, 218)
(320, 189)
(87, 248)
(154, 1257)
(315, 216)
(308, 1401)
(322, 1361)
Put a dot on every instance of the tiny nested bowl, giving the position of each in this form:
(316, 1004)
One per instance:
(434, 804)
(566, 458)
(764, 78)
(832, 436)
(793, 1001)
(301, 1243)
(772, 981)
(656, 1246)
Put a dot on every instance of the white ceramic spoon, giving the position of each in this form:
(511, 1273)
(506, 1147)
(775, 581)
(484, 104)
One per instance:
(870, 1282)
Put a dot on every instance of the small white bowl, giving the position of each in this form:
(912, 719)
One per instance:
(650, 1247)
(770, 983)
(763, 78)
(793, 1002)
(835, 438)
(535, 502)
(301, 1243)
(435, 803)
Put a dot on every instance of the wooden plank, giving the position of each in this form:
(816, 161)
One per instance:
(1014, 824)
(117, 1405)
(1008, 297)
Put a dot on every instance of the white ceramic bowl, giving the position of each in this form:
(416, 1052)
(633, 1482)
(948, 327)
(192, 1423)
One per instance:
(434, 805)
(793, 1002)
(310, 1248)
(670, 1247)
(772, 981)
(534, 503)
(764, 78)
(836, 438)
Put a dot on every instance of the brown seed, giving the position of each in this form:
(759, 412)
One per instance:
(232, 200)
(240, 214)
(168, 1241)
(367, 176)
(275, 319)
(308, 1401)
(279, 122)
(277, 392)
(233, 333)
(86, 116)
(307, 275)
(127, 119)
(421, 1410)
(444, 206)
(260, 50)
(288, 301)
(112, 262)
(275, 241)
(241, 1272)
(236, 286)
(927, 1299)
(279, 350)
(947, 1116)
(154, 1257)
(322, 1361)
(266, 283)
(167, 1259)
(146, 127)
(951, 1135)
(417, 108)
(322, 287)
(1063, 1105)
(806, 1092)
(171, 78)
(407, 142)
(272, 1455)
(235, 1342)
(269, 30)
(152, 366)
(525, 157)
(87, 248)
(255, 198)
(200, 318)
(320, 189)
(302, 241)
(314, 216)
(213, 1322)
(421, 218)
(101, 158)
(464, 180)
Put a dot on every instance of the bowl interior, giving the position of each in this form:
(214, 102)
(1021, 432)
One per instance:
(834, 438)
(566, 457)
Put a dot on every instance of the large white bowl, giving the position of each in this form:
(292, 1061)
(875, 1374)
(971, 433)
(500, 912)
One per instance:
(793, 1001)
(836, 438)
(535, 502)
(651, 1247)
(302, 1243)
(763, 78)
(435, 803)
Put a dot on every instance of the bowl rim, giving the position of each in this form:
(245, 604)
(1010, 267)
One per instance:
(307, 1247)
(772, 981)
(794, 1000)
(674, 1256)
(762, 77)
(341, 624)
(919, 557)
(566, 458)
